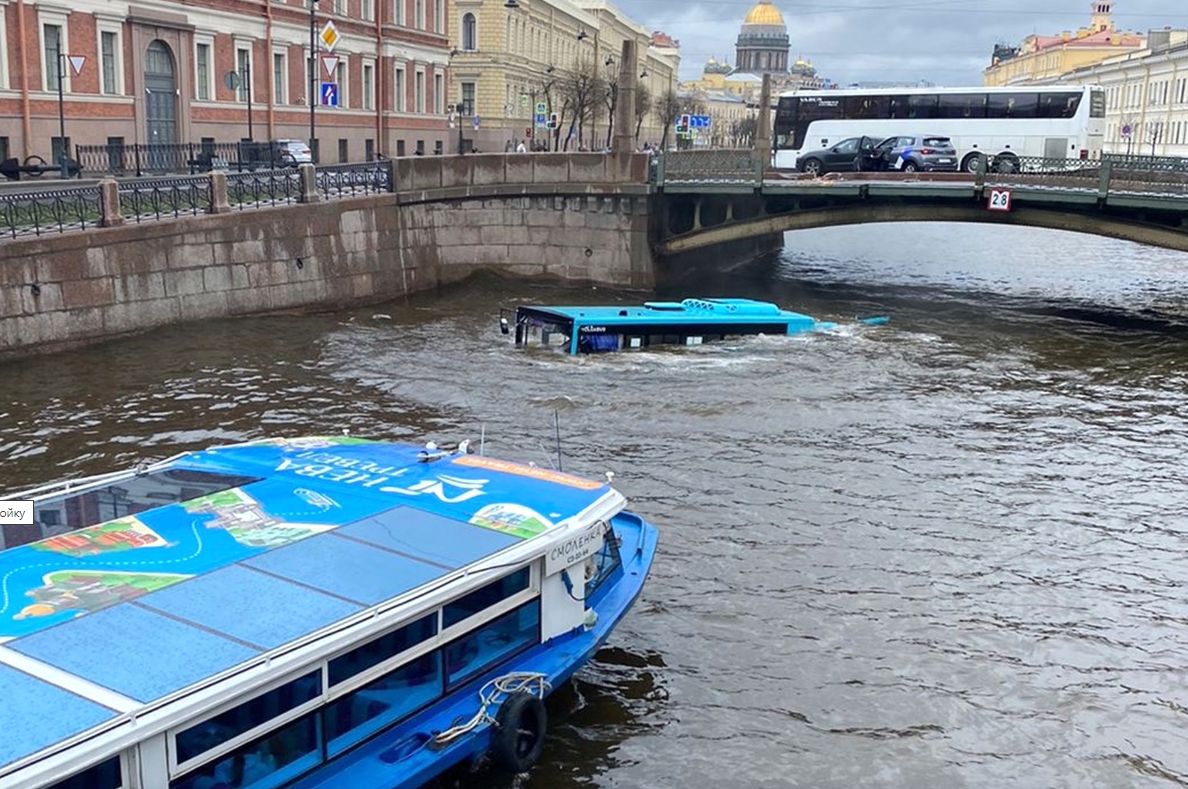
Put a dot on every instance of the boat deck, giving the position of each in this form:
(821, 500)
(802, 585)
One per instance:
(125, 614)
(692, 312)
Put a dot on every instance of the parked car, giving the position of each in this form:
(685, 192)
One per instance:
(920, 152)
(291, 152)
(852, 155)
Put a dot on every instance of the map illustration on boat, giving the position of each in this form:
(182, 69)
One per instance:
(602, 329)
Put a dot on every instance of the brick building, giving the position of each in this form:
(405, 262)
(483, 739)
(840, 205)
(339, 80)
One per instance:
(156, 71)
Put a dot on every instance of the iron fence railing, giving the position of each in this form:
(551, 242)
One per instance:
(165, 197)
(172, 158)
(263, 188)
(1074, 174)
(713, 166)
(347, 180)
(50, 211)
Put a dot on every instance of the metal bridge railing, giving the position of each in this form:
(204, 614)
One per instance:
(710, 166)
(160, 198)
(50, 211)
(351, 180)
(1036, 171)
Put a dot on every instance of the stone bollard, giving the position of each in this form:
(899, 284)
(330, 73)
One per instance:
(109, 204)
(219, 202)
(309, 184)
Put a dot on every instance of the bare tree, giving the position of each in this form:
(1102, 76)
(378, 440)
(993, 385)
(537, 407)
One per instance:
(643, 105)
(743, 132)
(667, 108)
(582, 89)
(610, 98)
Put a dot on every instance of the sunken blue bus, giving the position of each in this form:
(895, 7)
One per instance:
(575, 330)
(322, 612)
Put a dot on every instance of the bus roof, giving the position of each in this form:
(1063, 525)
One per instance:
(112, 621)
(842, 92)
(688, 311)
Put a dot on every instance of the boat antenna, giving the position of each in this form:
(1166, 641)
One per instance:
(482, 439)
(557, 430)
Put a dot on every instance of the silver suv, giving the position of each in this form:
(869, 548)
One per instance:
(920, 152)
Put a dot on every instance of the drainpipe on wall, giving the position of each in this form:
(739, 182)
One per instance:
(268, 66)
(26, 122)
(380, 86)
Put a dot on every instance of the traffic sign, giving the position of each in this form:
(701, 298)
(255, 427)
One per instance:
(540, 119)
(76, 63)
(1126, 130)
(329, 35)
(699, 121)
(330, 63)
(476, 122)
(999, 200)
(329, 94)
(541, 108)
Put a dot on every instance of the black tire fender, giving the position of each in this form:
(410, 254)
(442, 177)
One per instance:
(517, 739)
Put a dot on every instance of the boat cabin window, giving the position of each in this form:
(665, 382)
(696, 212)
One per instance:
(361, 713)
(602, 565)
(261, 710)
(267, 762)
(105, 775)
(484, 598)
(494, 642)
(380, 649)
(119, 499)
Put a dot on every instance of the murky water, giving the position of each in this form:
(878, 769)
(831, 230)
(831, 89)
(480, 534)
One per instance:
(948, 552)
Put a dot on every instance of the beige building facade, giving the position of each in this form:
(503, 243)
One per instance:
(506, 61)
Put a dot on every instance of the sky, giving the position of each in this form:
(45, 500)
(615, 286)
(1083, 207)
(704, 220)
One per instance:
(947, 42)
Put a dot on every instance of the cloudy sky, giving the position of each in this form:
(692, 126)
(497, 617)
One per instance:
(944, 41)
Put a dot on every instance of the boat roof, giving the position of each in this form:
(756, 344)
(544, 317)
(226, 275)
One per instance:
(687, 311)
(117, 618)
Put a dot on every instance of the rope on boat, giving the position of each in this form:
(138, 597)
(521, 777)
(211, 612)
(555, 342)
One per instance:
(493, 693)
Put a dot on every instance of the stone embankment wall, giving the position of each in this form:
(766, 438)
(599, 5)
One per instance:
(581, 217)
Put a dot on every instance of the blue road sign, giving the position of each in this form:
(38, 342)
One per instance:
(476, 122)
(699, 121)
(329, 94)
(540, 119)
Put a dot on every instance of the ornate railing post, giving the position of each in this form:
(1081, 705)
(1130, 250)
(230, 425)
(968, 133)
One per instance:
(661, 165)
(980, 181)
(309, 184)
(1103, 180)
(109, 203)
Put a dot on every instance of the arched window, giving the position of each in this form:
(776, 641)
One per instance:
(469, 34)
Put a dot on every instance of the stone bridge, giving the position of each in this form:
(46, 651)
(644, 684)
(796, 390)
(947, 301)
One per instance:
(707, 198)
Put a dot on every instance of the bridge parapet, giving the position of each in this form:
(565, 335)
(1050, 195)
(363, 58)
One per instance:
(738, 166)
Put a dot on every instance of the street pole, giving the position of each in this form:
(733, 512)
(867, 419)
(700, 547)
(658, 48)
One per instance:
(65, 171)
(313, 72)
(247, 81)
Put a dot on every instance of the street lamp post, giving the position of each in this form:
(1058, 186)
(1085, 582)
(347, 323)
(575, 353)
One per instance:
(313, 72)
(62, 111)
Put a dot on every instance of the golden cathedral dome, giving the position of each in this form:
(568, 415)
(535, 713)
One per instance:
(764, 13)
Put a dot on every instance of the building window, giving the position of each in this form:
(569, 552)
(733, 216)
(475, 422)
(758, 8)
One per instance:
(368, 10)
(202, 63)
(401, 89)
(340, 7)
(109, 47)
(467, 107)
(53, 55)
(439, 16)
(419, 14)
(58, 148)
(280, 73)
(438, 148)
(368, 86)
(438, 94)
(419, 89)
(469, 33)
(340, 76)
(369, 150)
(400, 147)
(243, 64)
(344, 150)
(401, 15)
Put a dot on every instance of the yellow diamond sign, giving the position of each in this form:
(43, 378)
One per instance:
(330, 36)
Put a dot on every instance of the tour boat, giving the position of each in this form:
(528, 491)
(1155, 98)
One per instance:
(322, 612)
(575, 330)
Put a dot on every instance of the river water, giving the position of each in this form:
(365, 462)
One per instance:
(947, 552)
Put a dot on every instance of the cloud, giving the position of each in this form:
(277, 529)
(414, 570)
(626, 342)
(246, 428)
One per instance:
(944, 41)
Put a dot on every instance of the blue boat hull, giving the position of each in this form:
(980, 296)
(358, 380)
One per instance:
(402, 757)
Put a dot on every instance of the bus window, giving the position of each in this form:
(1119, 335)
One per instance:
(923, 106)
(898, 107)
(1058, 105)
(1012, 105)
(865, 107)
(962, 105)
